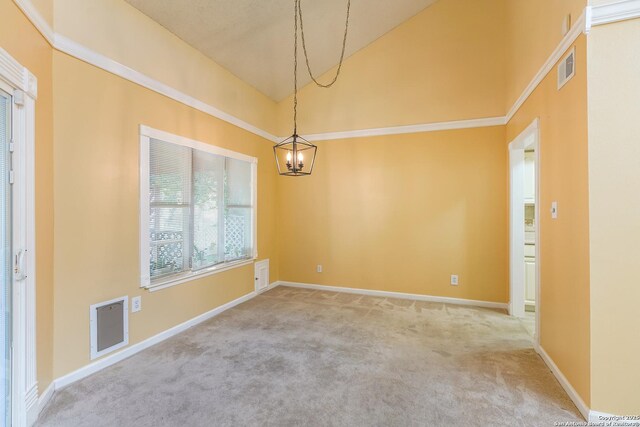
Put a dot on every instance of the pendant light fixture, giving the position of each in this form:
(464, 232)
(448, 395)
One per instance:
(295, 156)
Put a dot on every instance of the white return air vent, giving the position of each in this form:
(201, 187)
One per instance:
(109, 326)
(262, 275)
(567, 68)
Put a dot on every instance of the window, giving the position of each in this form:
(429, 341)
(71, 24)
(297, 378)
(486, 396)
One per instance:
(197, 208)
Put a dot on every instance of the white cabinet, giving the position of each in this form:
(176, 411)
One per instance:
(529, 176)
(530, 280)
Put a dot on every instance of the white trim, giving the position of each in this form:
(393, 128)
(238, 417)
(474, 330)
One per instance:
(89, 56)
(145, 209)
(188, 276)
(46, 396)
(24, 383)
(387, 294)
(398, 130)
(596, 15)
(100, 364)
(192, 143)
(528, 138)
(578, 28)
(93, 316)
(17, 76)
(146, 134)
(566, 385)
(32, 13)
(615, 12)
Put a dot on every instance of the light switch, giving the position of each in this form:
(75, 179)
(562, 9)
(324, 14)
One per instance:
(554, 210)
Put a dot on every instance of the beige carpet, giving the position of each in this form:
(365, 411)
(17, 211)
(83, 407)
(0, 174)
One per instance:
(294, 357)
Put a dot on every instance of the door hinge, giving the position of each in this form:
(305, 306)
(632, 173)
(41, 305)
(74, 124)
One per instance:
(11, 177)
(12, 146)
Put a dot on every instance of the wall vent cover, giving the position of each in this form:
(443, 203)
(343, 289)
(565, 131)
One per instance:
(262, 275)
(109, 326)
(566, 68)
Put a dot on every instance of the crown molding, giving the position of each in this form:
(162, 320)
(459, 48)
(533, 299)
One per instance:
(85, 54)
(398, 130)
(72, 48)
(596, 15)
(578, 28)
(615, 12)
(41, 24)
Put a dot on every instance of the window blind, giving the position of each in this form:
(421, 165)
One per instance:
(169, 203)
(200, 208)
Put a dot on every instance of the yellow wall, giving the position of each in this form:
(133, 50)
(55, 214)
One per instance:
(45, 8)
(121, 32)
(564, 242)
(446, 63)
(25, 44)
(534, 29)
(614, 177)
(402, 213)
(96, 116)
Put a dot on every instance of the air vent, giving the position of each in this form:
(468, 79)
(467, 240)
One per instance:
(262, 275)
(109, 326)
(567, 68)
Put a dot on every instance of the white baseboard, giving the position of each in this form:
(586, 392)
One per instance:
(566, 385)
(135, 348)
(46, 396)
(113, 358)
(387, 294)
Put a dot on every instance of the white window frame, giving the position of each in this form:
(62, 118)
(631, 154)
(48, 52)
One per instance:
(15, 79)
(146, 135)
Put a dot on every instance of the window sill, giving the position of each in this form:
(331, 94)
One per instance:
(176, 280)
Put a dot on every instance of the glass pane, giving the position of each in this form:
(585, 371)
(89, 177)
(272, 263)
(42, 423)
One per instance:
(208, 172)
(170, 198)
(5, 259)
(170, 173)
(168, 230)
(238, 210)
(238, 183)
(237, 231)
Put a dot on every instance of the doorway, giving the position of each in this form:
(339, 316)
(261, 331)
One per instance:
(524, 245)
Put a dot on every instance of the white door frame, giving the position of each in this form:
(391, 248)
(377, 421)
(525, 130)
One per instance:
(18, 81)
(527, 140)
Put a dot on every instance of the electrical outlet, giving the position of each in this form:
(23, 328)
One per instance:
(136, 304)
(319, 268)
(454, 280)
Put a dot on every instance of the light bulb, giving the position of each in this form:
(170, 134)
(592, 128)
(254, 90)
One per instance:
(288, 156)
(299, 157)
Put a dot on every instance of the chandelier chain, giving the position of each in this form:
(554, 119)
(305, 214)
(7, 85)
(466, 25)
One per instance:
(295, 67)
(304, 45)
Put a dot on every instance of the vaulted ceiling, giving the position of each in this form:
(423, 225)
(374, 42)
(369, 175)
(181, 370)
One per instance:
(253, 39)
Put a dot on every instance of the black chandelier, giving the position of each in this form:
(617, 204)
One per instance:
(295, 156)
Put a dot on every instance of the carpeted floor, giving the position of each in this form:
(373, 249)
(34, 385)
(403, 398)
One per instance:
(300, 357)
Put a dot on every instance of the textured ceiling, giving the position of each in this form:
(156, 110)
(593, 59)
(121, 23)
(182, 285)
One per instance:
(253, 39)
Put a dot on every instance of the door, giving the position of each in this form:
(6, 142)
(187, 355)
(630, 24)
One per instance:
(6, 274)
